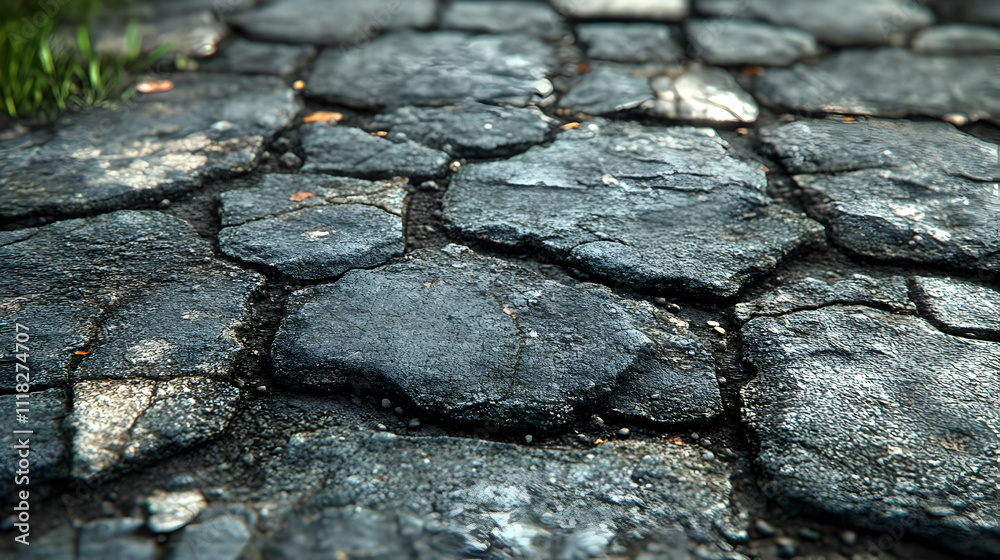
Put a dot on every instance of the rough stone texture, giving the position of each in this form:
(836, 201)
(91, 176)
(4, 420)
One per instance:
(887, 82)
(47, 446)
(623, 9)
(195, 33)
(121, 424)
(170, 511)
(222, 538)
(958, 307)
(474, 130)
(438, 68)
(702, 94)
(476, 339)
(629, 42)
(911, 190)
(166, 144)
(351, 151)
(114, 538)
(340, 224)
(658, 208)
(581, 503)
(957, 39)
(332, 22)
(121, 295)
(503, 16)
(731, 42)
(835, 22)
(887, 293)
(607, 90)
(251, 57)
(880, 420)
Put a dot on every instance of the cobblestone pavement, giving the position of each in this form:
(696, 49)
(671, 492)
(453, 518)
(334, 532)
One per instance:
(504, 279)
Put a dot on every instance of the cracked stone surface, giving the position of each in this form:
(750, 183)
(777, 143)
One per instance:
(629, 42)
(960, 308)
(148, 420)
(885, 194)
(605, 90)
(880, 420)
(253, 57)
(732, 42)
(473, 130)
(658, 208)
(500, 348)
(47, 446)
(887, 82)
(339, 224)
(702, 94)
(437, 68)
(810, 293)
(126, 294)
(332, 22)
(168, 144)
(339, 150)
(503, 16)
(610, 495)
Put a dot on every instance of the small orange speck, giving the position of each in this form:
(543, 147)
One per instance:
(848, 119)
(299, 84)
(81, 353)
(323, 116)
(765, 169)
(752, 71)
(582, 68)
(570, 126)
(301, 195)
(741, 131)
(155, 86)
(674, 441)
(379, 133)
(600, 441)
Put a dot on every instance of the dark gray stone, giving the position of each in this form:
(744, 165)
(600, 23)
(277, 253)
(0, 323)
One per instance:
(731, 42)
(605, 90)
(980, 12)
(958, 39)
(250, 57)
(122, 424)
(165, 145)
(910, 190)
(222, 538)
(886, 293)
(476, 339)
(49, 454)
(879, 420)
(58, 543)
(340, 150)
(438, 68)
(193, 33)
(629, 42)
(887, 82)
(137, 294)
(669, 10)
(115, 538)
(958, 307)
(332, 22)
(530, 17)
(702, 94)
(474, 130)
(581, 504)
(835, 22)
(658, 208)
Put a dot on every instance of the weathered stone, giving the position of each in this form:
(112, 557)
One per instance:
(958, 39)
(332, 22)
(582, 503)
(980, 12)
(340, 150)
(885, 293)
(658, 208)
(438, 68)
(958, 307)
(703, 94)
(115, 538)
(195, 33)
(58, 543)
(605, 90)
(476, 339)
(165, 145)
(127, 294)
(886, 82)
(503, 16)
(911, 190)
(880, 420)
(222, 538)
(49, 454)
(629, 42)
(731, 42)
(623, 9)
(170, 511)
(468, 131)
(120, 424)
(835, 22)
(250, 57)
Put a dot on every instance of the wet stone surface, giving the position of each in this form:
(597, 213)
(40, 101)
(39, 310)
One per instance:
(503, 16)
(629, 42)
(253, 57)
(339, 150)
(475, 339)
(605, 90)
(731, 42)
(702, 94)
(168, 144)
(658, 208)
(958, 39)
(960, 308)
(810, 293)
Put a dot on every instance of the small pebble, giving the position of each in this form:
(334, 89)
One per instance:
(708, 456)
(597, 420)
(289, 159)
(262, 389)
(583, 438)
(712, 323)
(706, 441)
(386, 403)
(528, 439)
(399, 410)
(277, 451)
(695, 436)
(809, 534)
(654, 397)
(786, 547)
(414, 423)
(850, 538)
(624, 433)
(764, 528)
(381, 427)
